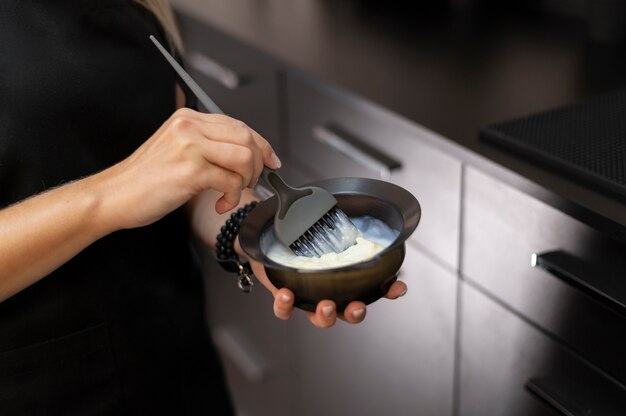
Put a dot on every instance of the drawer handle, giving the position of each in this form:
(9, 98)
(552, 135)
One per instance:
(214, 70)
(355, 149)
(597, 281)
(543, 389)
(579, 396)
(239, 350)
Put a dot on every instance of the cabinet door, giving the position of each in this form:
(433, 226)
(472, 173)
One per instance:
(578, 293)
(399, 361)
(254, 345)
(335, 134)
(241, 80)
(509, 368)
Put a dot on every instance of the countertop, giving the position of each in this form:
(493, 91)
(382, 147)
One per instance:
(444, 70)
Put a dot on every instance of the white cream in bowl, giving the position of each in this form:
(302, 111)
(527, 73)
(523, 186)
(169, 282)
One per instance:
(374, 236)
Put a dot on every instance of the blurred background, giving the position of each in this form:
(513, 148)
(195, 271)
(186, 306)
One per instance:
(400, 91)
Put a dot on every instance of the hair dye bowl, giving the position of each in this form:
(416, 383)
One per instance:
(366, 280)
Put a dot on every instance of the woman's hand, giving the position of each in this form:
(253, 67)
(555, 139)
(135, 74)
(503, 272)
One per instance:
(190, 152)
(206, 224)
(325, 314)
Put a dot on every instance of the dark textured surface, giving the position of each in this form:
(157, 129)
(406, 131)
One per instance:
(586, 140)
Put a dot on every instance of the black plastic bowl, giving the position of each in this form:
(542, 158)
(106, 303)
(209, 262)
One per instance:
(366, 281)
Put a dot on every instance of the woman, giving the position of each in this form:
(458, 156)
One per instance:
(100, 300)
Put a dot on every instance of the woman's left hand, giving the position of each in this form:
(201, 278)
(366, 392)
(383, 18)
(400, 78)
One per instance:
(207, 223)
(325, 314)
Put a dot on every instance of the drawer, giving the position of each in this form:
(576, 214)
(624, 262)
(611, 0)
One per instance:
(399, 361)
(242, 81)
(508, 367)
(335, 134)
(577, 288)
(252, 343)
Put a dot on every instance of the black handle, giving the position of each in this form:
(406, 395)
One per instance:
(357, 150)
(603, 282)
(579, 396)
(547, 391)
(215, 70)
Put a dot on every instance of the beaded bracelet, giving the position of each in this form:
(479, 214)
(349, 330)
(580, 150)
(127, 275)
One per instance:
(225, 251)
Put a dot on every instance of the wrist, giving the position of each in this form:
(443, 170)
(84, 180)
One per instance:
(227, 247)
(96, 221)
(228, 252)
(110, 212)
(239, 251)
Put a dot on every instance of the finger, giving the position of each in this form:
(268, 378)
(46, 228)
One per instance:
(397, 289)
(354, 313)
(269, 157)
(227, 201)
(283, 304)
(205, 175)
(215, 117)
(189, 113)
(236, 158)
(325, 314)
(189, 123)
(266, 157)
(259, 272)
(215, 133)
(185, 121)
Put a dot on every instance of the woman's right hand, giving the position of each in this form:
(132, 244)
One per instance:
(189, 153)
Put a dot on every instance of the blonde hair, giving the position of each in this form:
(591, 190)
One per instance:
(163, 12)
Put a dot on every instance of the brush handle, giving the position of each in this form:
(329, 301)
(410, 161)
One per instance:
(287, 195)
(272, 178)
(206, 101)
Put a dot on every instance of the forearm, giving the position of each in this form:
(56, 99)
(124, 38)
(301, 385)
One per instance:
(43, 232)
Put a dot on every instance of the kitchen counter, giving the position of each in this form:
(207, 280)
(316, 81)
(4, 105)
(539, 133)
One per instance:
(450, 73)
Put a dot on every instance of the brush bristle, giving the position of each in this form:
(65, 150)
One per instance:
(334, 232)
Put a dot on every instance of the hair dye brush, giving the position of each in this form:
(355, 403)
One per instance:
(308, 219)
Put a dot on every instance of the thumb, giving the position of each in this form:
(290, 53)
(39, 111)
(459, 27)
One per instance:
(227, 201)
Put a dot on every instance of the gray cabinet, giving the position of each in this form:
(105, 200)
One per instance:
(538, 339)
(510, 368)
(242, 81)
(334, 134)
(578, 293)
(255, 347)
(399, 361)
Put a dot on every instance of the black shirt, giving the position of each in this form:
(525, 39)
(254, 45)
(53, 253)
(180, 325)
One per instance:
(119, 328)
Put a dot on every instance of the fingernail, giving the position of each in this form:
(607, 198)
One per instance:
(327, 311)
(358, 314)
(253, 184)
(285, 298)
(276, 161)
(403, 292)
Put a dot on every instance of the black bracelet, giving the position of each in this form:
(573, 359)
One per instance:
(225, 250)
